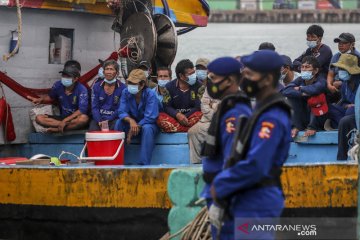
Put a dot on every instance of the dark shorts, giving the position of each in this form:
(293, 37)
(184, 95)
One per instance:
(56, 117)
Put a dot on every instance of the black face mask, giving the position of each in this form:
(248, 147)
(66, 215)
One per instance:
(214, 89)
(251, 88)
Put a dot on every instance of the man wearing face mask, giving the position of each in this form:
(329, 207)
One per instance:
(307, 97)
(138, 112)
(316, 48)
(346, 44)
(182, 100)
(287, 73)
(222, 85)
(146, 67)
(348, 73)
(163, 77)
(105, 98)
(72, 97)
(201, 69)
(250, 180)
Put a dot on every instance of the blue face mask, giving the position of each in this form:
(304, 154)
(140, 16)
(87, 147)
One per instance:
(162, 83)
(344, 75)
(67, 82)
(133, 89)
(192, 79)
(101, 73)
(201, 74)
(110, 81)
(306, 75)
(311, 44)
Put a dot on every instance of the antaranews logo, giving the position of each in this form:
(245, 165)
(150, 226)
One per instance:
(244, 228)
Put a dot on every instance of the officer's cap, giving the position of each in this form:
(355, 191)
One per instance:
(224, 66)
(263, 61)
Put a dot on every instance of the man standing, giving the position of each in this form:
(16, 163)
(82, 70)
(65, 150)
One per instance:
(72, 97)
(138, 112)
(316, 48)
(250, 182)
(223, 84)
(182, 100)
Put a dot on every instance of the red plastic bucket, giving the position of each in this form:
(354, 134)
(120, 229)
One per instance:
(105, 148)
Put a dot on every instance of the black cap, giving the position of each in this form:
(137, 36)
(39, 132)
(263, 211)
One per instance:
(345, 37)
(101, 62)
(71, 71)
(287, 61)
(267, 46)
(73, 63)
(144, 64)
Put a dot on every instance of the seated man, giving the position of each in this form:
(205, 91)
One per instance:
(146, 67)
(105, 98)
(316, 48)
(287, 73)
(138, 112)
(201, 69)
(72, 97)
(348, 71)
(307, 97)
(182, 100)
(163, 78)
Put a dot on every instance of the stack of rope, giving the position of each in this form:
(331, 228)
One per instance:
(198, 229)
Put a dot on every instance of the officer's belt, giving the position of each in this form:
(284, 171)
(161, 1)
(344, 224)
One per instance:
(210, 147)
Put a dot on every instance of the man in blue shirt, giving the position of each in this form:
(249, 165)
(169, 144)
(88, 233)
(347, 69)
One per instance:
(105, 98)
(317, 49)
(73, 101)
(163, 78)
(346, 44)
(249, 185)
(138, 112)
(223, 85)
(182, 100)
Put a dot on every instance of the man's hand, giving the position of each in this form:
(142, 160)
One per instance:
(332, 88)
(134, 127)
(297, 88)
(35, 101)
(349, 105)
(182, 119)
(337, 84)
(62, 126)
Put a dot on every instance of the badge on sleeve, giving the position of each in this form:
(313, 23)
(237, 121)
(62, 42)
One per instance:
(230, 126)
(266, 130)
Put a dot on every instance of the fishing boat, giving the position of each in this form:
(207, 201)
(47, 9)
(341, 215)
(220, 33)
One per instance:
(80, 201)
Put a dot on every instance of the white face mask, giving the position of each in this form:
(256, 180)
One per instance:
(311, 44)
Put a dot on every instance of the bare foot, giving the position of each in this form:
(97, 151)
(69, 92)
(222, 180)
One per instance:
(294, 132)
(309, 133)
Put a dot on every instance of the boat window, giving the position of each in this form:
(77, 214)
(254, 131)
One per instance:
(60, 45)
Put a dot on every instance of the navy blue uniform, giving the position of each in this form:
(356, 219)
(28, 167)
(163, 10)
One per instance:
(145, 114)
(227, 129)
(269, 147)
(186, 102)
(68, 104)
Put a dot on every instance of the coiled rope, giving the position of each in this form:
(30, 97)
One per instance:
(19, 31)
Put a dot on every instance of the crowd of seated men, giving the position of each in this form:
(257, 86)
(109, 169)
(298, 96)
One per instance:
(320, 86)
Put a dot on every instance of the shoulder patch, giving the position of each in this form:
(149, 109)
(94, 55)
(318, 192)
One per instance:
(266, 130)
(166, 96)
(201, 91)
(230, 124)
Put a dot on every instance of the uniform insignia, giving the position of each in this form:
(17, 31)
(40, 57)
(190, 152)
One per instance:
(167, 96)
(116, 99)
(266, 130)
(193, 95)
(201, 91)
(230, 126)
(74, 100)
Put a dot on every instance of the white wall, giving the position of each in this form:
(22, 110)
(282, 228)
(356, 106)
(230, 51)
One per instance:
(93, 39)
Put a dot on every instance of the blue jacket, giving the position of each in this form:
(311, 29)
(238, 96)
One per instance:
(348, 94)
(145, 113)
(103, 106)
(159, 97)
(77, 100)
(323, 56)
(227, 129)
(316, 88)
(187, 102)
(269, 147)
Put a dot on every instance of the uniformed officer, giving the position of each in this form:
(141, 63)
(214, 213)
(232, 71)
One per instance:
(250, 180)
(138, 112)
(223, 83)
